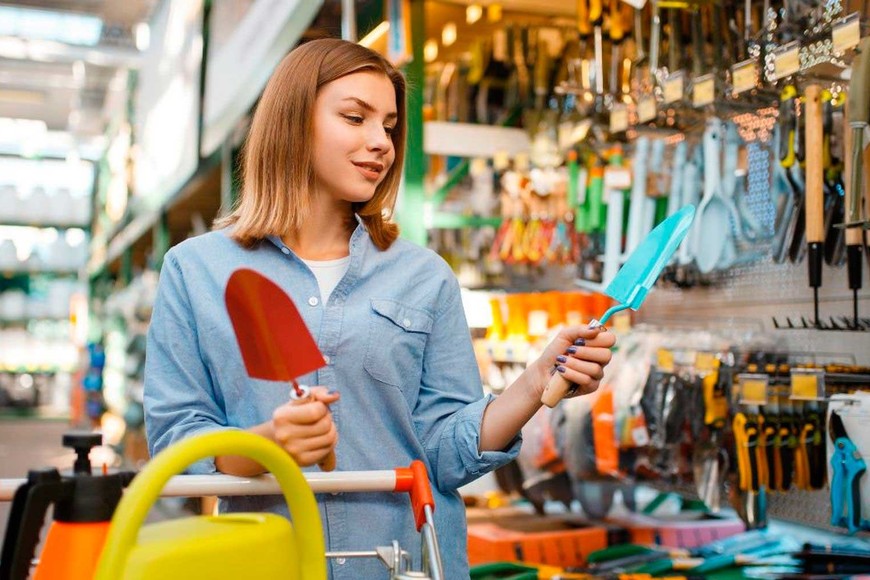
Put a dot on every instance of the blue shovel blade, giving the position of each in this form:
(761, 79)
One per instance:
(639, 273)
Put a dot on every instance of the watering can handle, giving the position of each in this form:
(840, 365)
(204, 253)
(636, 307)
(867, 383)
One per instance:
(146, 488)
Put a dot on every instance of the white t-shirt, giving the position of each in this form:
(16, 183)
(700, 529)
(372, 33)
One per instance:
(328, 273)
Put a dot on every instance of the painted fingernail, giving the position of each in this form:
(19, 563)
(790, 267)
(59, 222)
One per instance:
(571, 350)
(562, 358)
(580, 342)
(560, 368)
(332, 392)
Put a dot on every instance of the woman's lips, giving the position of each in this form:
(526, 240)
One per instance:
(369, 169)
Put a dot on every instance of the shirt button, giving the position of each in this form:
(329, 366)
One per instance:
(340, 561)
(285, 250)
(313, 301)
(406, 323)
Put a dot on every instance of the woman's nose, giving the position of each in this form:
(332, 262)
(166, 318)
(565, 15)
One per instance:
(378, 139)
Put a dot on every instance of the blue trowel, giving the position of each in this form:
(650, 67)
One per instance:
(633, 282)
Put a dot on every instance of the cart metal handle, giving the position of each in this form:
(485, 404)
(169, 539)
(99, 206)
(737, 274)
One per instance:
(413, 479)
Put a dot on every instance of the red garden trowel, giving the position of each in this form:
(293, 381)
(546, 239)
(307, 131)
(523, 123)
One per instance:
(275, 343)
(632, 283)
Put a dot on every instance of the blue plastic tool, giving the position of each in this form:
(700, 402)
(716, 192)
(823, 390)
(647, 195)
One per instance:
(639, 273)
(633, 282)
(847, 468)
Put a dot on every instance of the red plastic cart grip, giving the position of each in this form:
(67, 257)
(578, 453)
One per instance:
(415, 480)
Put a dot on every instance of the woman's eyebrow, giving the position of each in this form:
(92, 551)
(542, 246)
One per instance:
(368, 107)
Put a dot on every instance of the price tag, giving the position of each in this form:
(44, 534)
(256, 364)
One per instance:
(786, 60)
(704, 90)
(616, 178)
(705, 361)
(846, 33)
(753, 388)
(808, 384)
(673, 87)
(646, 109)
(665, 360)
(744, 76)
(618, 118)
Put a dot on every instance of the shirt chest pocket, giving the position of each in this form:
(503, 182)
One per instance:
(397, 339)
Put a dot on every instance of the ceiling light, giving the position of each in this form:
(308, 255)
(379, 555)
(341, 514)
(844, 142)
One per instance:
(430, 50)
(448, 34)
(37, 24)
(473, 13)
(142, 34)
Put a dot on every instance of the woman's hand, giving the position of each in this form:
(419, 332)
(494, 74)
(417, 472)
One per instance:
(305, 429)
(579, 354)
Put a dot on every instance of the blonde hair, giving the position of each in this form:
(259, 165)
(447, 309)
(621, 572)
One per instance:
(277, 165)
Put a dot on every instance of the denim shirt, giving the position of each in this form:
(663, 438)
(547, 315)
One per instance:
(398, 349)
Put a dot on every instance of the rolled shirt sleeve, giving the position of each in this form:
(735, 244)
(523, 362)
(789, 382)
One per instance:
(450, 406)
(179, 394)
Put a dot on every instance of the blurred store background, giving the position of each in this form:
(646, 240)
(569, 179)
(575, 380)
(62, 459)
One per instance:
(120, 129)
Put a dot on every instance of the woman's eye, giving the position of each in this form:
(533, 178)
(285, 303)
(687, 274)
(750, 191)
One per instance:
(389, 130)
(355, 119)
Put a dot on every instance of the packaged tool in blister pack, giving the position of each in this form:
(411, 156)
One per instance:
(848, 444)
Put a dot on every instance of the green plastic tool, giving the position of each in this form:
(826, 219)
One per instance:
(633, 282)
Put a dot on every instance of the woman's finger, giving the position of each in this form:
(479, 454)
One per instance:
(597, 355)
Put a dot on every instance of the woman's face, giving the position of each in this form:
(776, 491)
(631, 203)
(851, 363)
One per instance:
(353, 119)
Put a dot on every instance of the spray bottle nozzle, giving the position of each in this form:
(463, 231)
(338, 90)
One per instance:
(82, 443)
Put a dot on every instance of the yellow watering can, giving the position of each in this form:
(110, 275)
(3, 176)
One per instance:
(227, 546)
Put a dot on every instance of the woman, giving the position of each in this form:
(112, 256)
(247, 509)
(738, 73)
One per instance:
(322, 165)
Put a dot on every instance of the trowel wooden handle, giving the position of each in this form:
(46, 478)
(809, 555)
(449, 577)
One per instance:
(814, 170)
(555, 391)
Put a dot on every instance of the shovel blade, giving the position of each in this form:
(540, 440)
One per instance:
(273, 338)
(639, 273)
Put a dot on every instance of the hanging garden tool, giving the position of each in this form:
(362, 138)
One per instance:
(858, 114)
(633, 282)
(814, 186)
(83, 506)
(275, 342)
(847, 469)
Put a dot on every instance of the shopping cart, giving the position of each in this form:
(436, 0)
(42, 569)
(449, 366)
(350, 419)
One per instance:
(412, 480)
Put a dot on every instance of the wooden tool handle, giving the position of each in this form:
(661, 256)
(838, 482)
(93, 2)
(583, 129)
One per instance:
(555, 391)
(814, 171)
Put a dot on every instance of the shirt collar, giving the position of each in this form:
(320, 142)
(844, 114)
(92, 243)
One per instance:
(355, 239)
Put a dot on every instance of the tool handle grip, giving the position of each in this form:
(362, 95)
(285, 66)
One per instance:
(556, 390)
(814, 183)
(328, 463)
